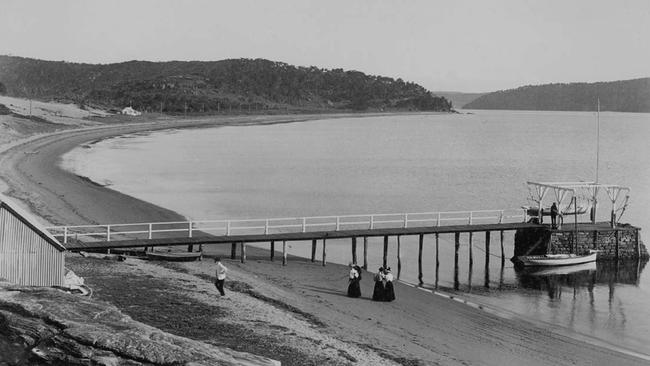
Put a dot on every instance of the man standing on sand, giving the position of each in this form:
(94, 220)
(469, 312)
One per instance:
(221, 276)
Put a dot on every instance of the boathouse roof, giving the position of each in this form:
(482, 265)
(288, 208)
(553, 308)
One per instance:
(30, 222)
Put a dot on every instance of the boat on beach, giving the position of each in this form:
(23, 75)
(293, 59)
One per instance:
(556, 259)
(175, 256)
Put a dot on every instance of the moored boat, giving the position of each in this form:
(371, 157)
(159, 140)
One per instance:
(556, 259)
(561, 270)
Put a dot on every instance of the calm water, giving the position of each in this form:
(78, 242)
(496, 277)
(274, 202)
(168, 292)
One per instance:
(416, 163)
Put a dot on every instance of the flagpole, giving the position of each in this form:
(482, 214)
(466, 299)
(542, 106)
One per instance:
(598, 140)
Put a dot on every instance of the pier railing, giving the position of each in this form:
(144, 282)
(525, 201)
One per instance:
(151, 230)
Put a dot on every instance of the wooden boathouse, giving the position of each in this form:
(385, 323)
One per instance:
(29, 254)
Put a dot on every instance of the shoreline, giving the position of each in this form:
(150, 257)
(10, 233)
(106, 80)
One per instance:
(65, 197)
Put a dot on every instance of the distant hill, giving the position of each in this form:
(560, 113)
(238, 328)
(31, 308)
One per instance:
(227, 85)
(458, 99)
(619, 96)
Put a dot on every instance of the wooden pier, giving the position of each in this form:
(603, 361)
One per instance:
(240, 233)
(619, 242)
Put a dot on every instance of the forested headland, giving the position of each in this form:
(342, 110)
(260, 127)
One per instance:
(617, 96)
(211, 87)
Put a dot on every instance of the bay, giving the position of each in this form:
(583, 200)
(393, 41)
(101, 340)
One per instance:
(412, 163)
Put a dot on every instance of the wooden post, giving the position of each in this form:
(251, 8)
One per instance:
(284, 252)
(365, 253)
(313, 250)
(437, 250)
(385, 261)
(354, 250)
(616, 234)
(471, 251)
(503, 254)
(638, 245)
(243, 252)
(437, 261)
(420, 245)
(487, 259)
(233, 251)
(456, 248)
(324, 251)
(399, 256)
(487, 249)
(272, 250)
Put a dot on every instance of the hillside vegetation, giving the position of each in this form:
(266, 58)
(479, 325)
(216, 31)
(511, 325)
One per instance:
(216, 86)
(458, 99)
(619, 96)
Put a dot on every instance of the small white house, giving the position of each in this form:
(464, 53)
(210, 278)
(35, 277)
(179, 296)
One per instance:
(130, 112)
(29, 254)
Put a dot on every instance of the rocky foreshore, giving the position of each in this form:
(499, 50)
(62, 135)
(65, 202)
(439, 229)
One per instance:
(45, 326)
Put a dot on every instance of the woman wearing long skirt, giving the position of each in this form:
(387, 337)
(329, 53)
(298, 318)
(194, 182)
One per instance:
(378, 292)
(389, 290)
(354, 289)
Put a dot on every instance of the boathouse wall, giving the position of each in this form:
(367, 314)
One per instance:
(29, 255)
(623, 242)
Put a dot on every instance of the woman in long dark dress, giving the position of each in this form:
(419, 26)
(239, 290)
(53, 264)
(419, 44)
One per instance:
(378, 292)
(354, 289)
(389, 290)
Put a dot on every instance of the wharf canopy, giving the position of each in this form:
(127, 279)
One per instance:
(574, 198)
(29, 254)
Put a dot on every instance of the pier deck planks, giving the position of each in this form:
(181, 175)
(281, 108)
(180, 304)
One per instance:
(299, 236)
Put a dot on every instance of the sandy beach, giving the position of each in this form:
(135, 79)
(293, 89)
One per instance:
(298, 314)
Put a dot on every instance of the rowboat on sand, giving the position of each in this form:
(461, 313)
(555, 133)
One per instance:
(175, 256)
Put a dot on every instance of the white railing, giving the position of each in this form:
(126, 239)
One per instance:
(285, 225)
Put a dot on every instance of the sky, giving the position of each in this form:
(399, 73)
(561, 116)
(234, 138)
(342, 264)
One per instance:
(452, 45)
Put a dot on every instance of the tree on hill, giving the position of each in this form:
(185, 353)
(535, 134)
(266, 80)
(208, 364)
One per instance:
(212, 86)
(620, 96)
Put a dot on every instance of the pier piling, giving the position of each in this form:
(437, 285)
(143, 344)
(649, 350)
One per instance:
(471, 251)
(487, 259)
(243, 251)
(365, 253)
(456, 248)
(233, 251)
(324, 252)
(385, 261)
(437, 250)
(503, 254)
(487, 249)
(399, 256)
(313, 250)
(420, 245)
(284, 252)
(354, 250)
(272, 250)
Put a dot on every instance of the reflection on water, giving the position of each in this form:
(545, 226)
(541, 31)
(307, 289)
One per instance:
(600, 299)
(553, 281)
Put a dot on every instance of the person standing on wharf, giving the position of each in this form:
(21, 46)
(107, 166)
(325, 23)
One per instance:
(221, 275)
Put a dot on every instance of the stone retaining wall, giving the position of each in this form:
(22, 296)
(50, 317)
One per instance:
(620, 243)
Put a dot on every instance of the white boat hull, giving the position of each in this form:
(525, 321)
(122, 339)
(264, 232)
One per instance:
(556, 259)
(562, 270)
